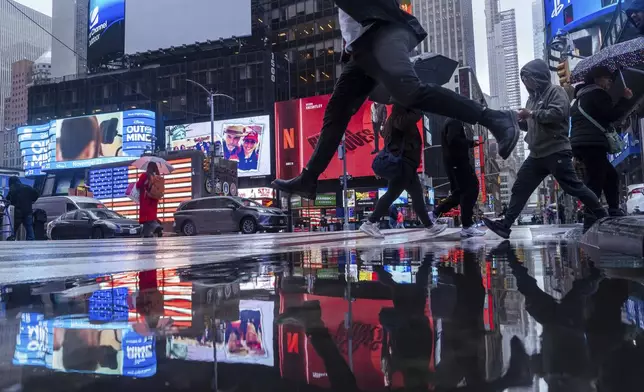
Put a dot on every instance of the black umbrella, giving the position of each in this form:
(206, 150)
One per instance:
(431, 68)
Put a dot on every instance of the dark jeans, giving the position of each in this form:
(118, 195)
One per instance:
(600, 174)
(408, 180)
(465, 192)
(383, 57)
(149, 228)
(377, 125)
(534, 170)
(26, 220)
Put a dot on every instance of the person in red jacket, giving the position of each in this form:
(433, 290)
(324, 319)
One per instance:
(148, 206)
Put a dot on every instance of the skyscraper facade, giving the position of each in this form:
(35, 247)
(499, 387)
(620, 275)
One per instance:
(503, 56)
(20, 39)
(69, 25)
(538, 29)
(450, 29)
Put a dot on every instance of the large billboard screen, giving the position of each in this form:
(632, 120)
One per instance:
(78, 142)
(297, 130)
(162, 24)
(569, 15)
(245, 140)
(105, 31)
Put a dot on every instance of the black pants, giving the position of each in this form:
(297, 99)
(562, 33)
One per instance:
(383, 57)
(534, 170)
(408, 180)
(600, 174)
(377, 129)
(465, 192)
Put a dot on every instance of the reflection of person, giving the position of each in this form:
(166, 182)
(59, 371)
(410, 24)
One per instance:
(88, 349)
(249, 159)
(22, 198)
(79, 139)
(232, 135)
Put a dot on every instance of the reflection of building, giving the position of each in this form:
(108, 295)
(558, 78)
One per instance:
(22, 39)
(450, 29)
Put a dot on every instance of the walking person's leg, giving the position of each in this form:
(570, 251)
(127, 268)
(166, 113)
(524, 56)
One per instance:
(18, 221)
(349, 94)
(469, 182)
(452, 201)
(28, 221)
(394, 189)
(562, 169)
(415, 191)
(611, 189)
(595, 173)
(385, 58)
(530, 175)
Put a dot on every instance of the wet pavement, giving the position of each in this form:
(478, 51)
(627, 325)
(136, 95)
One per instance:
(327, 311)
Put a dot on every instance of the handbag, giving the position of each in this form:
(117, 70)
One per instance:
(132, 192)
(615, 142)
(387, 165)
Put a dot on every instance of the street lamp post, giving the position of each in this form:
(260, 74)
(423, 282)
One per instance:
(211, 97)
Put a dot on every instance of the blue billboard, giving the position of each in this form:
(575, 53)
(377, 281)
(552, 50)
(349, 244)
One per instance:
(79, 142)
(106, 31)
(570, 15)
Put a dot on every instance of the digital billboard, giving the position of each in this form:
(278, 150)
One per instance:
(569, 15)
(106, 31)
(297, 129)
(244, 140)
(78, 142)
(163, 24)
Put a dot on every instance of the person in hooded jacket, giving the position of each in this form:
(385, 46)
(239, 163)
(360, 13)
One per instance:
(635, 13)
(22, 197)
(546, 120)
(589, 143)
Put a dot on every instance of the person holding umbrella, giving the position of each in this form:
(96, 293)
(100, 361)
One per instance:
(591, 116)
(151, 187)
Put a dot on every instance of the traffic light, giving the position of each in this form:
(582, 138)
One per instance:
(563, 71)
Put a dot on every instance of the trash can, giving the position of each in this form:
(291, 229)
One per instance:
(40, 224)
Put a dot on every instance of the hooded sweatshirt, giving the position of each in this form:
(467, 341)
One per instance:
(636, 6)
(548, 127)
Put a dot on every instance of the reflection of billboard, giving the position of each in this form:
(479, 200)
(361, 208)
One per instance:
(155, 24)
(297, 130)
(244, 140)
(570, 15)
(106, 31)
(85, 141)
(74, 344)
(248, 340)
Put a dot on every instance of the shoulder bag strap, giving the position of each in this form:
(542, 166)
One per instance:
(592, 120)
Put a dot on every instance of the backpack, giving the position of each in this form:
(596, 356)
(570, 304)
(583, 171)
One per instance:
(156, 187)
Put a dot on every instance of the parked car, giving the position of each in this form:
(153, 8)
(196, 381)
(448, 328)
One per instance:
(55, 206)
(92, 223)
(221, 214)
(635, 199)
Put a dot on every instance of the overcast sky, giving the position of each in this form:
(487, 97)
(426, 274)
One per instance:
(523, 9)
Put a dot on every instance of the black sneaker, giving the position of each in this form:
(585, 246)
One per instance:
(616, 212)
(504, 125)
(308, 315)
(498, 227)
(303, 185)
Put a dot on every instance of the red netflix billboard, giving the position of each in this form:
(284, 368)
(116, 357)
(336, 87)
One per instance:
(297, 129)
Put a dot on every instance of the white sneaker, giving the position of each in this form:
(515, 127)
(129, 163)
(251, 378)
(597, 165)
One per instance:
(371, 229)
(471, 232)
(433, 217)
(435, 230)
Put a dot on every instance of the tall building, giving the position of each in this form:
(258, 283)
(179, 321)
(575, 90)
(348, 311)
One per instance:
(69, 25)
(20, 39)
(450, 29)
(538, 29)
(503, 56)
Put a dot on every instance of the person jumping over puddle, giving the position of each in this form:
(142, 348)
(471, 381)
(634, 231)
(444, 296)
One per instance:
(379, 37)
(402, 138)
(546, 119)
(462, 177)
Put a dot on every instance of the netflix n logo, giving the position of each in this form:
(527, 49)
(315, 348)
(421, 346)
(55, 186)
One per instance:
(288, 141)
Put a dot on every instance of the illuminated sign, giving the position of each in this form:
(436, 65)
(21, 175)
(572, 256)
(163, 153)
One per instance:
(79, 142)
(256, 193)
(105, 31)
(571, 15)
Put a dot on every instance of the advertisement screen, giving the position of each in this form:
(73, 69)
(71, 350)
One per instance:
(248, 340)
(75, 344)
(78, 142)
(297, 129)
(109, 185)
(244, 140)
(402, 199)
(569, 15)
(106, 31)
(162, 24)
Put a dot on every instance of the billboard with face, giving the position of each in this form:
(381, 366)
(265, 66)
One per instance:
(244, 140)
(78, 142)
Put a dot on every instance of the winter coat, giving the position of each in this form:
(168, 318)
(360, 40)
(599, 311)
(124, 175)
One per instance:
(549, 124)
(401, 135)
(22, 197)
(598, 104)
(456, 145)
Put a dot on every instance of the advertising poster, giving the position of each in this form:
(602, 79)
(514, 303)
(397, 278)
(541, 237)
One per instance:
(78, 142)
(75, 344)
(568, 15)
(248, 340)
(106, 31)
(244, 140)
(401, 200)
(366, 198)
(297, 129)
